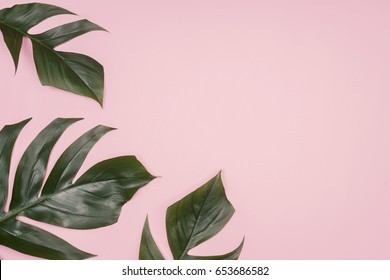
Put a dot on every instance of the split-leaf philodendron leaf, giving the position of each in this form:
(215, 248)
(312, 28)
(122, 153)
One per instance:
(68, 71)
(191, 221)
(93, 200)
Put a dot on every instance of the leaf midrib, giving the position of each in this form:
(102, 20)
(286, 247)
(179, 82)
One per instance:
(13, 213)
(186, 249)
(50, 49)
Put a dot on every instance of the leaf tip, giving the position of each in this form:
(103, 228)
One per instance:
(15, 58)
(217, 178)
(99, 94)
(242, 244)
(237, 252)
(26, 121)
(102, 29)
(22, 123)
(106, 128)
(70, 120)
(89, 255)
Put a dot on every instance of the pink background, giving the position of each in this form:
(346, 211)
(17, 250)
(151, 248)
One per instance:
(289, 98)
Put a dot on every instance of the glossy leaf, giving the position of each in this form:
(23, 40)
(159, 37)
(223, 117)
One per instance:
(34, 241)
(193, 220)
(94, 200)
(68, 71)
(149, 249)
(8, 136)
(32, 166)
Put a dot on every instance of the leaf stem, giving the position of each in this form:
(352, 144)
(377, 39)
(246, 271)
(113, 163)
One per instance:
(13, 213)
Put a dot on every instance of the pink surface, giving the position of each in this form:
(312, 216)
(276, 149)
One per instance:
(289, 98)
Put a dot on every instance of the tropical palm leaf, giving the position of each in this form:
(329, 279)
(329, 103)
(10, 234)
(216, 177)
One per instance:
(68, 71)
(191, 221)
(93, 200)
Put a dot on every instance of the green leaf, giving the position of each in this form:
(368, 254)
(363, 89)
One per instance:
(8, 136)
(149, 249)
(68, 71)
(94, 200)
(64, 33)
(32, 166)
(69, 163)
(193, 220)
(13, 39)
(34, 241)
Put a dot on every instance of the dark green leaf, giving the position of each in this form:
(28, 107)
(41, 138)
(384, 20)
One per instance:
(63, 33)
(13, 40)
(18, 19)
(34, 241)
(72, 72)
(32, 167)
(69, 163)
(26, 16)
(149, 249)
(8, 136)
(195, 219)
(94, 200)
